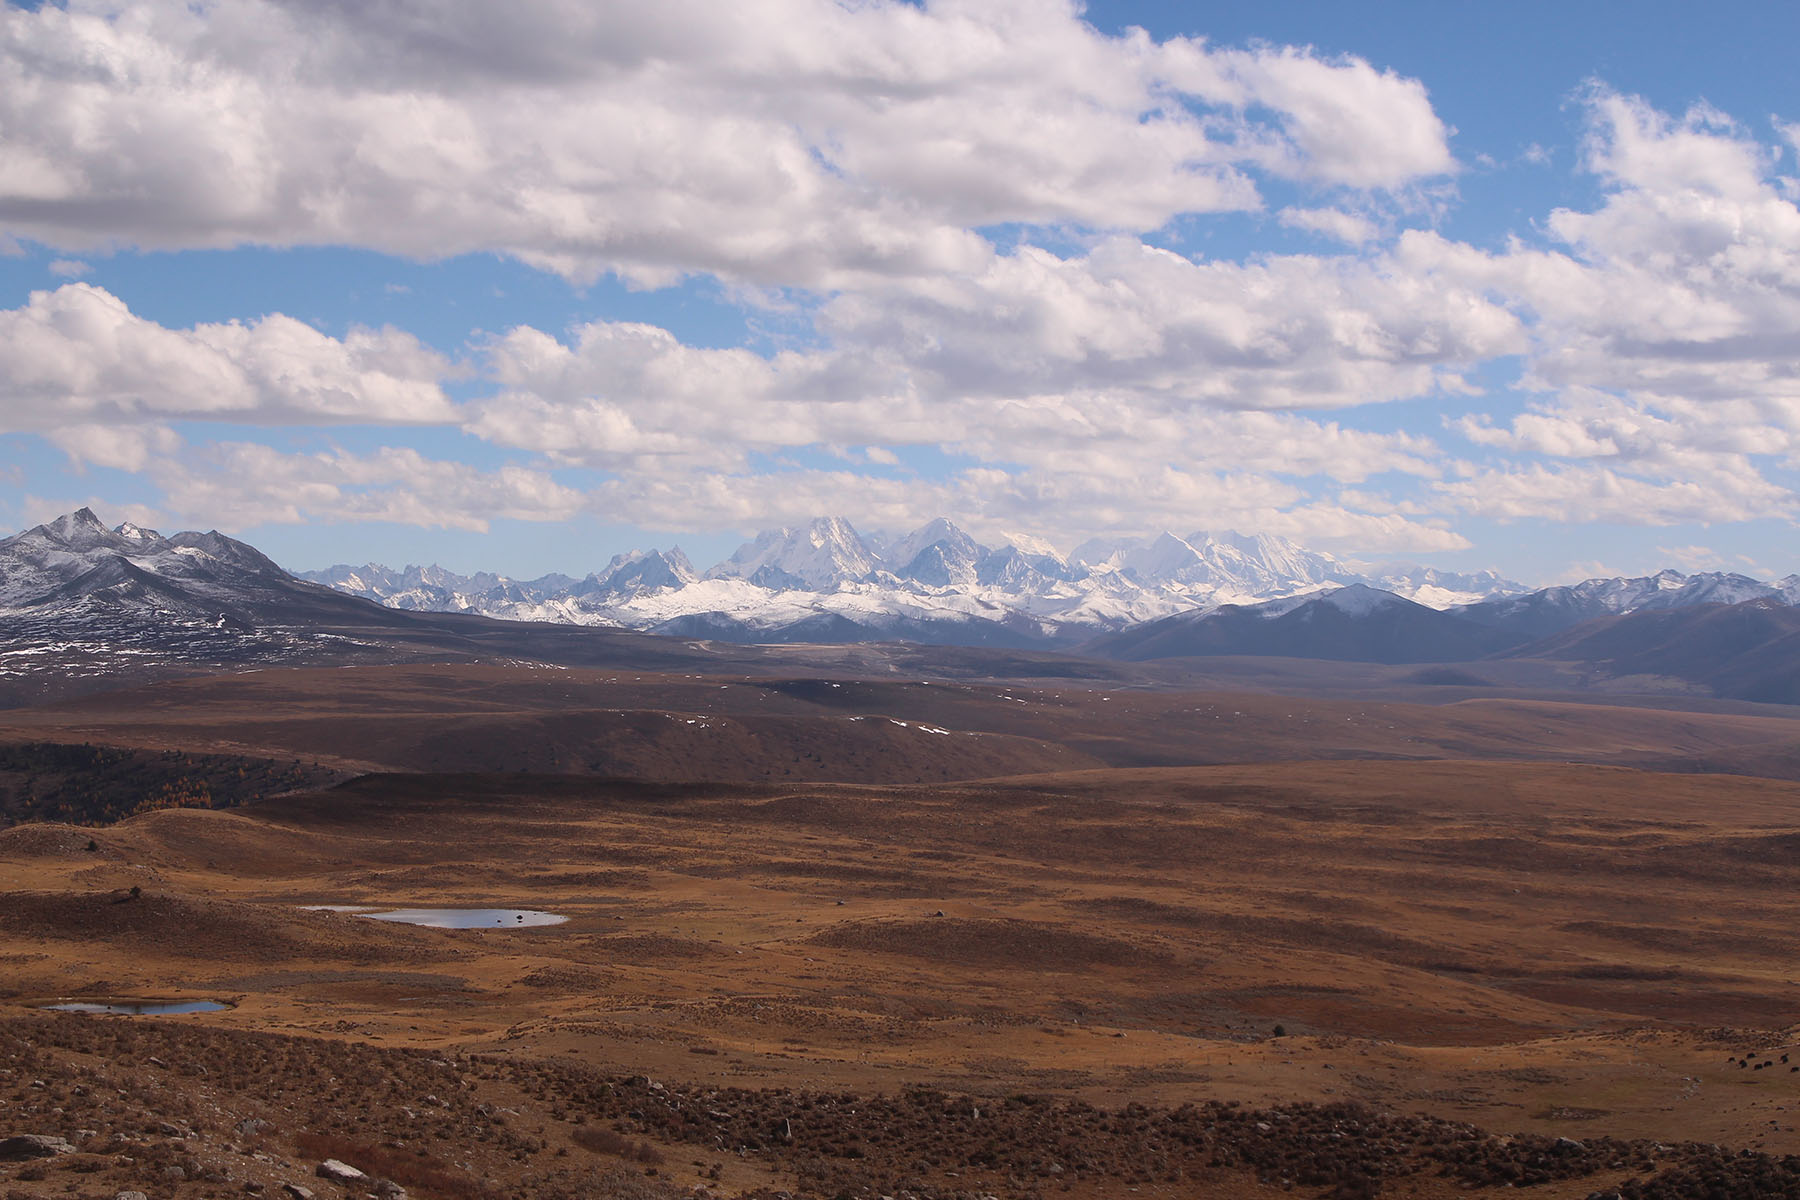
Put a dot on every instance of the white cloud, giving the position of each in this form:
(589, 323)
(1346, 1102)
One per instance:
(1695, 558)
(1116, 388)
(1282, 332)
(774, 141)
(632, 397)
(256, 484)
(1582, 494)
(1661, 336)
(122, 447)
(1347, 123)
(1333, 223)
(68, 268)
(990, 502)
(79, 356)
(1684, 282)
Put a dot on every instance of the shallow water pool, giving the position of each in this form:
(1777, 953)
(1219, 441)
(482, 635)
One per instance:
(137, 1008)
(468, 918)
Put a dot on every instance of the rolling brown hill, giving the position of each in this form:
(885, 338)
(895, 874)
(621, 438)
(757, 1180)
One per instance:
(695, 727)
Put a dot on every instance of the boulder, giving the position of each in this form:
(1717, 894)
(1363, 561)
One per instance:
(22, 1146)
(340, 1173)
(294, 1191)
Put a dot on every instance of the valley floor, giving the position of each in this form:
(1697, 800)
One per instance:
(1411, 978)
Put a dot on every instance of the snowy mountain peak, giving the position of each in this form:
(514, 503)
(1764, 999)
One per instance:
(1147, 560)
(641, 570)
(1231, 567)
(78, 530)
(821, 557)
(1359, 599)
(1036, 547)
(937, 554)
(1165, 557)
(75, 565)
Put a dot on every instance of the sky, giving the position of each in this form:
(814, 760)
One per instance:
(518, 287)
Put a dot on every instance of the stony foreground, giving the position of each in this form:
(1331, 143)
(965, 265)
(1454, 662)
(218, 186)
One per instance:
(180, 1110)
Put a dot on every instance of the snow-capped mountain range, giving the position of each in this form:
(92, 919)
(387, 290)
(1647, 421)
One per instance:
(75, 565)
(1147, 597)
(826, 582)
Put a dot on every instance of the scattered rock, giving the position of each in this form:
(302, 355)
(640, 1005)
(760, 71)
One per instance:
(22, 1146)
(130, 1196)
(294, 1191)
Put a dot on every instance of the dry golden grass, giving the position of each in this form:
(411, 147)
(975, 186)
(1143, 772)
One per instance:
(1555, 949)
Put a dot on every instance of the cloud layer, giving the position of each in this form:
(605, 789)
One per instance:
(783, 142)
(964, 207)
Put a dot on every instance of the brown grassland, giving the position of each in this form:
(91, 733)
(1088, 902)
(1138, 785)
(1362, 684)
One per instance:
(866, 938)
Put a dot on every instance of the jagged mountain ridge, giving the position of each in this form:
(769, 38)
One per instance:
(1729, 635)
(1353, 623)
(77, 598)
(1551, 610)
(83, 607)
(936, 583)
(76, 565)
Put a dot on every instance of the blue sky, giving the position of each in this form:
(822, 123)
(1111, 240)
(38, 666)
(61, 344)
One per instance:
(1479, 286)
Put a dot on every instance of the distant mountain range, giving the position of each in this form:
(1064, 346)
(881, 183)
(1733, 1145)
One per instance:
(826, 582)
(79, 599)
(1358, 623)
(83, 606)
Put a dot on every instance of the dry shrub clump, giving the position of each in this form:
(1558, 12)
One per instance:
(607, 1141)
(411, 1169)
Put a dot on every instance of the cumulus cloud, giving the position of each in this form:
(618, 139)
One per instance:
(1661, 332)
(996, 501)
(79, 356)
(785, 142)
(1683, 283)
(852, 153)
(1697, 558)
(123, 447)
(1581, 494)
(257, 484)
(631, 396)
(1335, 223)
(1296, 331)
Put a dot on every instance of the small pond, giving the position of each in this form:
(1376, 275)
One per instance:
(137, 1008)
(453, 918)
